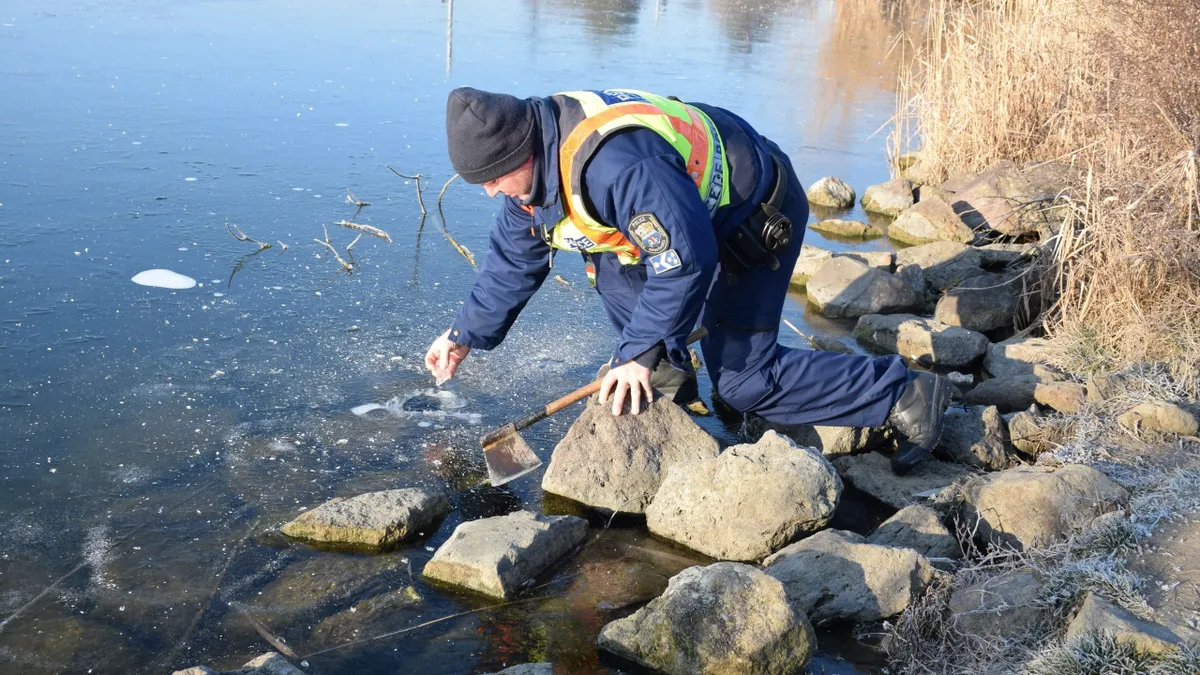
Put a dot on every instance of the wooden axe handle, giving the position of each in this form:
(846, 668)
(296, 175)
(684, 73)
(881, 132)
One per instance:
(584, 391)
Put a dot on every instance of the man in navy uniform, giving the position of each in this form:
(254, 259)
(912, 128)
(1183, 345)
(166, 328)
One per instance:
(683, 213)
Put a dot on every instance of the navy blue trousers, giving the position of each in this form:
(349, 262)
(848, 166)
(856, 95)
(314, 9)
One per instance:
(750, 370)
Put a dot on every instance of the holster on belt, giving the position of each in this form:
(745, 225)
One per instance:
(753, 243)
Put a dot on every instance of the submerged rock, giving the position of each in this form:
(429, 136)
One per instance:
(837, 576)
(495, 556)
(370, 616)
(1004, 606)
(528, 669)
(375, 519)
(617, 463)
(723, 618)
(872, 473)
(750, 501)
(931, 219)
(846, 288)
(1031, 506)
(976, 436)
(919, 528)
(271, 663)
(1098, 615)
(1159, 416)
(846, 228)
(889, 198)
(831, 192)
(924, 341)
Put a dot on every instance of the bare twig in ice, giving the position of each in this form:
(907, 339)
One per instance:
(264, 633)
(352, 244)
(282, 245)
(369, 229)
(329, 245)
(443, 192)
(416, 178)
(359, 204)
(559, 278)
(241, 236)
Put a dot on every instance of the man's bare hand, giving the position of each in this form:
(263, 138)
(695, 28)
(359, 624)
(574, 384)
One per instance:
(631, 378)
(443, 357)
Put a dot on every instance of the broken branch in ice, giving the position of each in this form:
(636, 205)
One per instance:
(443, 192)
(329, 245)
(416, 178)
(241, 236)
(369, 229)
(358, 203)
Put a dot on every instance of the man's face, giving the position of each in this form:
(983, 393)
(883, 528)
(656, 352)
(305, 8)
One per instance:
(517, 183)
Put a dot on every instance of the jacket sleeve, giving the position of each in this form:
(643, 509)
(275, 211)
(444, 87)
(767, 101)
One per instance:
(515, 267)
(677, 279)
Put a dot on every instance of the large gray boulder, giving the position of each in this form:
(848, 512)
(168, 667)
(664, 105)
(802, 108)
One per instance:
(945, 264)
(723, 618)
(831, 192)
(1031, 506)
(747, 503)
(931, 219)
(924, 341)
(835, 441)
(872, 473)
(889, 198)
(846, 228)
(1021, 356)
(846, 288)
(1098, 615)
(1013, 200)
(1009, 394)
(977, 436)
(617, 463)
(495, 556)
(375, 519)
(1005, 606)
(919, 528)
(836, 575)
(1005, 255)
(982, 303)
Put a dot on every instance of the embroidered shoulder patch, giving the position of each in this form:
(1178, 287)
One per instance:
(649, 234)
(665, 262)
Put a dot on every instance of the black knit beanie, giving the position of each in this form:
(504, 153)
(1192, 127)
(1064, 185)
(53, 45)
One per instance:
(488, 135)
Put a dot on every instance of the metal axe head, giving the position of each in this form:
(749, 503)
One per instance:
(508, 456)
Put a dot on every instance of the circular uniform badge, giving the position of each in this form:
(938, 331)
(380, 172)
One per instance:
(649, 234)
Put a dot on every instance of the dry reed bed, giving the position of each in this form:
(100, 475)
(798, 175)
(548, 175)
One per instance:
(1113, 87)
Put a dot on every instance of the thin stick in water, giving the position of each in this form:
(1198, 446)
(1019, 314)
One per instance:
(443, 192)
(329, 245)
(275, 642)
(417, 178)
(241, 236)
(369, 229)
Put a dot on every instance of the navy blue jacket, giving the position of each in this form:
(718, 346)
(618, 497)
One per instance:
(633, 172)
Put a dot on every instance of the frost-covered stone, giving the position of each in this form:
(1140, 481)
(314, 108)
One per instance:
(1030, 506)
(1006, 605)
(836, 575)
(495, 556)
(1021, 356)
(723, 618)
(1159, 416)
(1098, 615)
(617, 462)
(747, 503)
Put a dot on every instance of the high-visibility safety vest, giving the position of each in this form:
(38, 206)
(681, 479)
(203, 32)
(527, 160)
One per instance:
(586, 118)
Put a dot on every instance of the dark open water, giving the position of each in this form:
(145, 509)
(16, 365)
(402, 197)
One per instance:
(158, 436)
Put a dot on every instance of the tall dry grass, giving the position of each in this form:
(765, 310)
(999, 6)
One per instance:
(1113, 87)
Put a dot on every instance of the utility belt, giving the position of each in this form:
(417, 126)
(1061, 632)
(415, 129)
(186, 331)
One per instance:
(754, 242)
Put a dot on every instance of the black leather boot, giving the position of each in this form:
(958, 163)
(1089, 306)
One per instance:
(917, 419)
